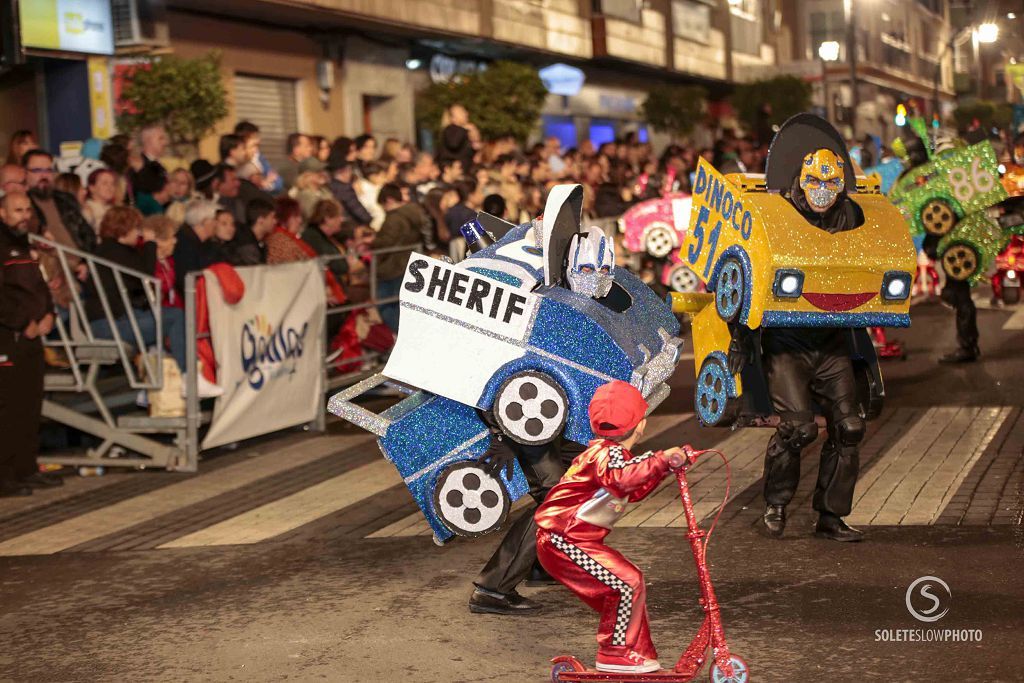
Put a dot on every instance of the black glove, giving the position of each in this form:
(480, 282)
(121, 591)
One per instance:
(739, 353)
(499, 454)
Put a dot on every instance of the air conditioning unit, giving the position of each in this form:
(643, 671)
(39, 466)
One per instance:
(140, 23)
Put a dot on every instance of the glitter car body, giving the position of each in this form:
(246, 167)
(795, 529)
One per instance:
(456, 351)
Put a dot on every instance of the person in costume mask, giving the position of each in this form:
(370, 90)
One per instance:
(808, 367)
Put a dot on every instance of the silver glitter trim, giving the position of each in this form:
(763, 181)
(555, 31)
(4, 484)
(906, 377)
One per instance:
(571, 364)
(450, 457)
(342, 406)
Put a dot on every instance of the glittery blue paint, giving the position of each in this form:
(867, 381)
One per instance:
(825, 319)
(424, 430)
(739, 253)
(717, 371)
(498, 275)
(571, 334)
(590, 340)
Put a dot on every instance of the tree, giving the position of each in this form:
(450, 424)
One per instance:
(504, 99)
(675, 109)
(987, 114)
(186, 96)
(765, 103)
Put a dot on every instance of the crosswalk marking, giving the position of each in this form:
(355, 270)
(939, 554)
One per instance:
(1015, 321)
(916, 477)
(143, 508)
(745, 451)
(291, 512)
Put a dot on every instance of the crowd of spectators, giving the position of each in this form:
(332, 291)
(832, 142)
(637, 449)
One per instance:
(340, 199)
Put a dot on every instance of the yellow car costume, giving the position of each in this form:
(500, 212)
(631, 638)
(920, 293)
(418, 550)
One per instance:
(765, 266)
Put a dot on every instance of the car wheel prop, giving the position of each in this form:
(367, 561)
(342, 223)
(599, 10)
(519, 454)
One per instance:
(658, 241)
(684, 280)
(729, 290)
(469, 501)
(531, 408)
(960, 261)
(937, 217)
(712, 392)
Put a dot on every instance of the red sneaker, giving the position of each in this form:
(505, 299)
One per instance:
(630, 663)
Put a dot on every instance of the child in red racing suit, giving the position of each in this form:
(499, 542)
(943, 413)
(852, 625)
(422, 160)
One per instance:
(581, 509)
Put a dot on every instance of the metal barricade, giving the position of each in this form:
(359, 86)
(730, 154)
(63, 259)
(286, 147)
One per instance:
(87, 354)
(127, 438)
(369, 362)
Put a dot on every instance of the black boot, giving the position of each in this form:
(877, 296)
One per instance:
(961, 355)
(834, 528)
(488, 602)
(774, 520)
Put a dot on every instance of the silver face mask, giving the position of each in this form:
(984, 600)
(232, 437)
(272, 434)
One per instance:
(821, 198)
(591, 263)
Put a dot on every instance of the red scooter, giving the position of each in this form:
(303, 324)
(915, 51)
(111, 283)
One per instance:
(725, 667)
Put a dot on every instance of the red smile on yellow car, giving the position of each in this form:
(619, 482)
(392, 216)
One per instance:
(838, 302)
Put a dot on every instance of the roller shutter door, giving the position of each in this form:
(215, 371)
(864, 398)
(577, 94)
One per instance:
(270, 104)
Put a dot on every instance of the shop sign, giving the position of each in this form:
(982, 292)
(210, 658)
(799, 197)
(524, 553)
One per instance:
(444, 68)
(562, 79)
(620, 104)
(68, 25)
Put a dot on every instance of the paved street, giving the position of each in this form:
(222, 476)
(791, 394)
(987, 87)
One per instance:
(304, 558)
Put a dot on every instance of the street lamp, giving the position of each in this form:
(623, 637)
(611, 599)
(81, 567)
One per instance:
(828, 52)
(988, 33)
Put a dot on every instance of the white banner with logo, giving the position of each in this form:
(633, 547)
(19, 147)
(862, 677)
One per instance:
(269, 350)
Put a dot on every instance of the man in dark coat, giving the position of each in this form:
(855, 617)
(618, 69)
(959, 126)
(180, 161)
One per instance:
(26, 316)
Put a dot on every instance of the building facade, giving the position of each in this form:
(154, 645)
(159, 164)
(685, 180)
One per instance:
(900, 55)
(343, 67)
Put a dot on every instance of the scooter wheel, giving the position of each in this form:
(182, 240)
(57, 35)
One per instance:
(563, 667)
(740, 672)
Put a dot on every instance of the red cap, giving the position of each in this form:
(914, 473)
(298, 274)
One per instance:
(616, 409)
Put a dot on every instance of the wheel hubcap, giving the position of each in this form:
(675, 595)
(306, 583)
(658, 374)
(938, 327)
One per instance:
(727, 290)
(960, 262)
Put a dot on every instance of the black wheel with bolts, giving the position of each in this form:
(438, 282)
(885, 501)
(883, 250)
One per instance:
(960, 261)
(531, 408)
(938, 217)
(469, 501)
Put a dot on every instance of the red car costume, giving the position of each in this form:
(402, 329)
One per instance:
(578, 513)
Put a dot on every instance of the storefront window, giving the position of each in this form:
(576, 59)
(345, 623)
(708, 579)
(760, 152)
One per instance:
(601, 131)
(561, 127)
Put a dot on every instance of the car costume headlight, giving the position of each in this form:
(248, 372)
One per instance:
(789, 283)
(896, 286)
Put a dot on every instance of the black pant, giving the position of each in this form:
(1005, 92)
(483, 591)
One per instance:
(21, 403)
(797, 380)
(517, 552)
(957, 293)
